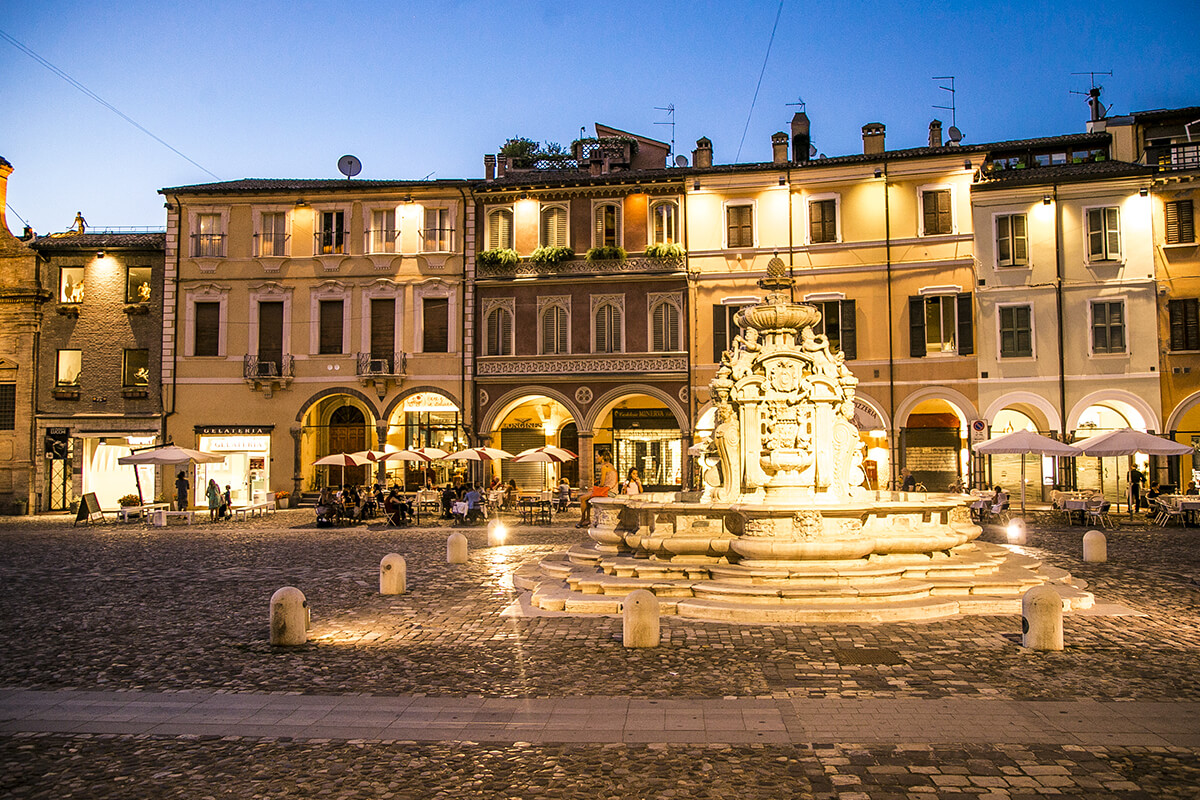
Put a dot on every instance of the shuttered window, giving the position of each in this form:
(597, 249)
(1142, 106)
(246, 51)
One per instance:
(936, 212)
(8, 406)
(838, 324)
(270, 332)
(1104, 234)
(206, 340)
(1012, 247)
(330, 321)
(822, 221)
(554, 330)
(1184, 315)
(500, 229)
(554, 227)
(1108, 327)
(941, 324)
(383, 327)
(1016, 332)
(739, 223)
(435, 315)
(607, 225)
(664, 321)
(499, 332)
(1180, 226)
(725, 328)
(608, 329)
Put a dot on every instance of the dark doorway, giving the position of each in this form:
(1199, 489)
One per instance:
(348, 434)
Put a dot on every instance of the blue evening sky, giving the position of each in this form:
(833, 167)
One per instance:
(282, 89)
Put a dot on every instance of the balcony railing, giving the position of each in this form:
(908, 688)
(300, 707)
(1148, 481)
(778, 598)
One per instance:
(329, 242)
(389, 365)
(271, 244)
(437, 240)
(208, 245)
(580, 266)
(258, 368)
(381, 240)
(584, 363)
(1171, 158)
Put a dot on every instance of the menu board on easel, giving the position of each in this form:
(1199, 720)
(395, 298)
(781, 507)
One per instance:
(88, 506)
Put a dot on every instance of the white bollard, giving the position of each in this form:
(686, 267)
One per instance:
(497, 533)
(1016, 531)
(1095, 547)
(639, 614)
(456, 549)
(289, 617)
(393, 574)
(1042, 619)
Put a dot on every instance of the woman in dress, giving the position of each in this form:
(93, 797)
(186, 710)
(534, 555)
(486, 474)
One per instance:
(213, 493)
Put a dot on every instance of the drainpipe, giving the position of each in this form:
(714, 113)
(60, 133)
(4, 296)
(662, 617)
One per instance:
(887, 235)
(693, 322)
(791, 246)
(1058, 300)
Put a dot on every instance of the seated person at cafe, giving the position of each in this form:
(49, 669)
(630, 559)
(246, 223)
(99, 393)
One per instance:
(510, 494)
(1193, 488)
(326, 511)
(398, 509)
(474, 500)
(449, 495)
(998, 501)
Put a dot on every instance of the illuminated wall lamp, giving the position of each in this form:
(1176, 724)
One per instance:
(1143, 192)
(1045, 199)
(99, 254)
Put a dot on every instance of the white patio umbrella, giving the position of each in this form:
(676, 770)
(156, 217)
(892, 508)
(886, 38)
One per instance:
(478, 454)
(1022, 442)
(167, 455)
(342, 460)
(371, 455)
(431, 453)
(544, 455)
(1126, 442)
(408, 455)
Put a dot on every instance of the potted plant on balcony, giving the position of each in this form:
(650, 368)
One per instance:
(502, 259)
(282, 499)
(550, 256)
(666, 253)
(608, 253)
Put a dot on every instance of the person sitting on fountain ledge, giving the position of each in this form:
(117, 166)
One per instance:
(608, 482)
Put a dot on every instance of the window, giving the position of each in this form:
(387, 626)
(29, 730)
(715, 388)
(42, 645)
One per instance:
(438, 235)
(1104, 234)
(664, 327)
(435, 315)
(822, 221)
(500, 229)
(1180, 226)
(270, 337)
(70, 285)
(839, 325)
(554, 322)
(70, 365)
(136, 370)
(607, 227)
(1108, 327)
(1016, 331)
(607, 328)
(664, 227)
(8, 406)
(272, 236)
(331, 232)
(739, 223)
(383, 328)
(724, 327)
(137, 285)
(554, 227)
(1012, 247)
(208, 240)
(1184, 318)
(331, 314)
(207, 333)
(382, 236)
(941, 323)
(498, 337)
(936, 213)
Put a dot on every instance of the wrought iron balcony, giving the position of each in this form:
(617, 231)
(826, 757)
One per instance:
(271, 244)
(581, 266)
(208, 245)
(380, 240)
(384, 366)
(1175, 157)
(329, 242)
(437, 240)
(258, 368)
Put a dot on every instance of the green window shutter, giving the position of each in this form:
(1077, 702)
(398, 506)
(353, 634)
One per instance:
(916, 326)
(849, 337)
(720, 337)
(1112, 233)
(435, 315)
(1095, 225)
(966, 327)
(383, 327)
(1020, 244)
(560, 317)
(207, 333)
(1004, 253)
(330, 333)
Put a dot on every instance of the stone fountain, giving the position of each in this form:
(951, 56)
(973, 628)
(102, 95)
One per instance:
(784, 531)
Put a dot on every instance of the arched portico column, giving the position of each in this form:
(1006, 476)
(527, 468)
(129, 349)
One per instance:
(296, 432)
(585, 459)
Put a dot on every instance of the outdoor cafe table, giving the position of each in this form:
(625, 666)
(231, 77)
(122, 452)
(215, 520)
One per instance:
(1188, 503)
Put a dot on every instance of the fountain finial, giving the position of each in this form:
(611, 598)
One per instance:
(777, 279)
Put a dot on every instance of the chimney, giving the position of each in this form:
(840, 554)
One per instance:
(801, 141)
(872, 134)
(779, 147)
(489, 167)
(5, 170)
(702, 155)
(935, 133)
(501, 167)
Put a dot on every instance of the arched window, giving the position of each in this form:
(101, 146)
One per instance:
(607, 227)
(500, 229)
(554, 331)
(608, 328)
(664, 325)
(664, 229)
(554, 226)
(499, 332)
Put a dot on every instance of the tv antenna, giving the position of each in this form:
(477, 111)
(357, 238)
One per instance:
(349, 166)
(799, 102)
(952, 108)
(1093, 94)
(670, 110)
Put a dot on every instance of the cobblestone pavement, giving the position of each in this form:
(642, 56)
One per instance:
(131, 607)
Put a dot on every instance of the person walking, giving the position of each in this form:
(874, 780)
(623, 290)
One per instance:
(213, 494)
(182, 487)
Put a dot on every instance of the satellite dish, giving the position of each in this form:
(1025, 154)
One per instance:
(349, 166)
(955, 134)
(681, 161)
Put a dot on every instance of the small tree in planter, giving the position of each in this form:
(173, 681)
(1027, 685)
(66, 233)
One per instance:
(502, 258)
(549, 256)
(607, 254)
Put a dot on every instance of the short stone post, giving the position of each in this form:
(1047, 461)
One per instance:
(393, 574)
(640, 619)
(289, 617)
(497, 533)
(1016, 531)
(1041, 619)
(456, 549)
(1095, 547)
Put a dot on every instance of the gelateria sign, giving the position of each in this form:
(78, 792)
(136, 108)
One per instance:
(866, 418)
(429, 401)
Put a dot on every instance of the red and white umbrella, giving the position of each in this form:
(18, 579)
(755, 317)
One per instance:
(342, 460)
(408, 455)
(478, 454)
(371, 455)
(548, 455)
(430, 453)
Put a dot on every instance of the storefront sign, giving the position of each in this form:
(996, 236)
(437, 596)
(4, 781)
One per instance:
(233, 430)
(240, 444)
(429, 401)
(865, 418)
(643, 418)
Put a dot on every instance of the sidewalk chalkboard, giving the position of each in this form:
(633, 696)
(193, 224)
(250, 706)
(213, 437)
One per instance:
(88, 505)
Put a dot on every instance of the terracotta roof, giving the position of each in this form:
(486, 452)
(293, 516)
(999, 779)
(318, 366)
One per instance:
(1063, 173)
(96, 241)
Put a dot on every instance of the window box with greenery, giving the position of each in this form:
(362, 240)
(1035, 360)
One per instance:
(608, 253)
(502, 258)
(666, 253)
(549, 256)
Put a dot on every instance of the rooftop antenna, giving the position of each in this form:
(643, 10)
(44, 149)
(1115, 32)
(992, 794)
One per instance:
(951, 108)
(670, 109)
(812, 147)
(1093, 94)
(799, 102)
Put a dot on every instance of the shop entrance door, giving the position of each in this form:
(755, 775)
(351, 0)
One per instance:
(60, 491)
(348, 434)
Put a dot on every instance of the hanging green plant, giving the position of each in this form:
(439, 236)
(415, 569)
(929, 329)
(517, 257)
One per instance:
(499, 257)
(607, 254)
(665, 252)
(551, 255)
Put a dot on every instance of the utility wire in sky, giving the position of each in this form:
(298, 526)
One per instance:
(778, 13)
(4, 35)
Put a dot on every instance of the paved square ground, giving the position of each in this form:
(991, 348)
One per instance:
(134, 662)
